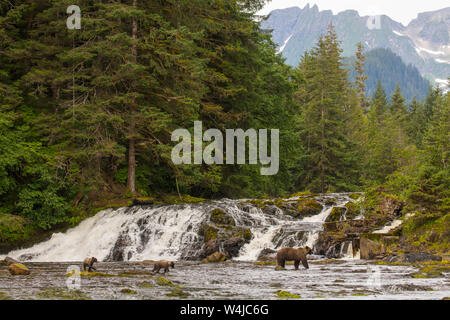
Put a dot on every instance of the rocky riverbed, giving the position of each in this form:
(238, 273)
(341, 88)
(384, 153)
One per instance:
(326, 279)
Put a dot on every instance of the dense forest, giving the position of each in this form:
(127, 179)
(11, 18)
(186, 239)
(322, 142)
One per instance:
(384, 65)
(86, 115)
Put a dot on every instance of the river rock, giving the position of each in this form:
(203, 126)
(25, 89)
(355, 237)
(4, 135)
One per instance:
(370, 249)
(215, 257)
(210, 247)
(390, 206)
(232, 246)
(267, 255)
(18, 269)
(414, 257)
(337, 214)
(9, 261)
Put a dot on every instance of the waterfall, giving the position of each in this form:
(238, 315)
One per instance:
(172, 232)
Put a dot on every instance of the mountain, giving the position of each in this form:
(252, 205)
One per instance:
(424, 43)
(386, 66)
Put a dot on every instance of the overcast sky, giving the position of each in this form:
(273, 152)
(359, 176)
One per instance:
(400, 10)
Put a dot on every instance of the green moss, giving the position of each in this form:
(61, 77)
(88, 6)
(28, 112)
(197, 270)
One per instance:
(146, 284)
(286, 295)
(87, 274)
(128, 291)
(62, 294)
(210, 233)
(336, 214)
(301, 194)
(308, 207)
(247, 234)
(178, 199)
(161, 281)
(219, 217)
(178, 293)
(4, 296)
(355, 196)
(266, 263)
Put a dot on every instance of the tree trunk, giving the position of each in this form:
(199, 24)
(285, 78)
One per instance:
(132, 129)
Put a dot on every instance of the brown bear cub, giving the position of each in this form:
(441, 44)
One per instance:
(163, 264)
(296, 255)
(89, 263)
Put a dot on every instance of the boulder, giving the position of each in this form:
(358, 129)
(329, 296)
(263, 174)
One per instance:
(210, 247)
(218, 216)
(337, 214)
(18, 269)
(215, 257)
(370, 249)
(267, 255)
(232, 246)
(390, 206)
(8, 261)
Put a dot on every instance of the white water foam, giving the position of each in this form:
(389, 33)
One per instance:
(147, 233)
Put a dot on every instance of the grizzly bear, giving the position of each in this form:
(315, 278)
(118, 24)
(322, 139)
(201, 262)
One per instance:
(163, 264)
(296, 255)
(89, 263)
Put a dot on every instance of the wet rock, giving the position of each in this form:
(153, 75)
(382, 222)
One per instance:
(337, 214)
(218, 216)
(118, 251)
(370, 249)
(215, 257)
(9, 261)
(270, 210)
(413, 257)
(18, 269)
(210, 247)
(232, 246)
(390, 206)
(267, 255)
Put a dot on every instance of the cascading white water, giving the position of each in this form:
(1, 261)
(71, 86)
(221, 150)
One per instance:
(143, 233)
(265, 230)
(172, 232)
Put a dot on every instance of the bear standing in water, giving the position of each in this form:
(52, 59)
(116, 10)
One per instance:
(163, 264)
(89, 263)
(296, 255)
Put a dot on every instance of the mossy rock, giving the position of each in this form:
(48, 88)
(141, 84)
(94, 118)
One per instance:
(18, 269)
(62, 294)
(161, 281)
(301, 194)
(286, 295)
(4, 296)
(208, 232)
(179, 199)
(279, 268)
(178, 293)
(128, 291)
(308, 207)
(219, 217)
(336, 214)
(355, 196)
(146, 284)
(87, 274)
(215, 258)
(275, 285)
